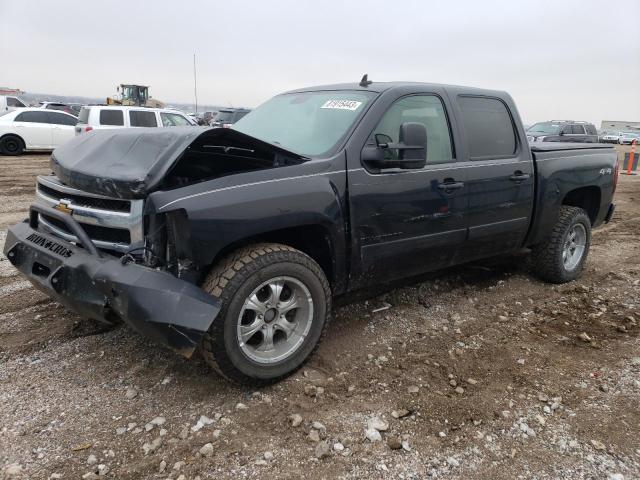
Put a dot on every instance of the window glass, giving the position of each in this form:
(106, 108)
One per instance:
(14, 102)
(111, 117)
(488, 126)
(140, 118)
(61, 119)
(239, 115)
(173, 120)
(545, 128)
(223, 116)
(308, 123)
(577, 129)
(591, 130)
(32, 117)
(425, 109)
(83, 116)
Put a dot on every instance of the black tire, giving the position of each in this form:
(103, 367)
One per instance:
(547, 257)
(11, 145)
(232, 281)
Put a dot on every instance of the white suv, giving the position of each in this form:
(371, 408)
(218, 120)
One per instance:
(96, 117)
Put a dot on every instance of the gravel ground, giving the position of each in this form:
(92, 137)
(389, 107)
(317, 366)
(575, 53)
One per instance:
(478, 371)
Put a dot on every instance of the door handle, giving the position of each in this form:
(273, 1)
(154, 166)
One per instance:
(450, 184)
(518, 176)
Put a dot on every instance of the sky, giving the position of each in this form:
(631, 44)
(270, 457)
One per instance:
(564, 59)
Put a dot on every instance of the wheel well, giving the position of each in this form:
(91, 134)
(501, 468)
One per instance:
(13, 135)
(587, 198)
(314, 240)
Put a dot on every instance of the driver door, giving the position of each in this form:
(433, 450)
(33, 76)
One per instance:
(408, 221)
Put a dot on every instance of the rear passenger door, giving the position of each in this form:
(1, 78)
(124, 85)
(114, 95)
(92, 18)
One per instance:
(578, 133)
(34, 128)
(500, 177)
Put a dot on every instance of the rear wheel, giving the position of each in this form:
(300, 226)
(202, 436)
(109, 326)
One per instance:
(11, 145)
(560, 258)
(275, 307)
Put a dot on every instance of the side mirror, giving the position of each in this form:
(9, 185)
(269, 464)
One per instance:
(411, 149)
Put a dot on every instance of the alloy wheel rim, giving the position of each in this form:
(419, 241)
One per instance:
(574, 246)
(274, 320)
(11, 145)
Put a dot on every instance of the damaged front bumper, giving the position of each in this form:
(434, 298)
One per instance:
(155, 303)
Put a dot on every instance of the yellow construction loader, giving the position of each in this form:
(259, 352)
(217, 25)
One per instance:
(134, 95)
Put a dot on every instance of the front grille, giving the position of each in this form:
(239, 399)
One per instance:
(92, 202)
(112, 224)
(95, 232)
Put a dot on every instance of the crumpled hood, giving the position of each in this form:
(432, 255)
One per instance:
(130, 162)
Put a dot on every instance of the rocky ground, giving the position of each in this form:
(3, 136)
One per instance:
(480, 372)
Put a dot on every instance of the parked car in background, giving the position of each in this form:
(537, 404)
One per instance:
(72, 108)
(207, 117)
(563, 131)
(10, 102)
(227, 117)
(626, 138)
(100, 117)
(610, 137)
(34, 129)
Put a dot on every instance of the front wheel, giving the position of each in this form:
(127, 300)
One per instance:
(560, 258)
(276, 303)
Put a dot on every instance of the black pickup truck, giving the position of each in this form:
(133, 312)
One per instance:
(236, 240)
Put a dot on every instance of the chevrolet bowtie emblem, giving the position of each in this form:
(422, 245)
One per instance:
(64, 207)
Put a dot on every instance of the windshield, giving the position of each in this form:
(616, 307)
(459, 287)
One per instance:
(308, 123)
(547, 128)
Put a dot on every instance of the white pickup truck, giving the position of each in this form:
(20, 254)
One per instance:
(10, 102)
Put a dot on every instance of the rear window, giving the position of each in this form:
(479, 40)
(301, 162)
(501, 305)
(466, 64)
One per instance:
(111, 117)
(83, 116)
(33, 117)
(139, 118)
(488, 126)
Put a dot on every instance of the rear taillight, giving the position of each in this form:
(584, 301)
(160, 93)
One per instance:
(616, 174)
(88, 129)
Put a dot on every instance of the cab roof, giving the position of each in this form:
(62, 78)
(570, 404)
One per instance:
(379, 87)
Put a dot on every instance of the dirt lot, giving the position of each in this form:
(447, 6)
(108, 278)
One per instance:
(492, 374)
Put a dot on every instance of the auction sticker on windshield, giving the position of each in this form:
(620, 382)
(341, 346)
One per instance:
(342, 104)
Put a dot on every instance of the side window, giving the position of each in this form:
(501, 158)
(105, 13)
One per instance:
(32, 117)
(591, 130)
(14, 102)
(577, 129)
(425, 109)
(111, 117)
(139, 118)
(488, 126)
(61, 119)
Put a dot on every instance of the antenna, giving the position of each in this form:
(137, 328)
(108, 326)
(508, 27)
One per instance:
(365, 82)
(195, 82)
